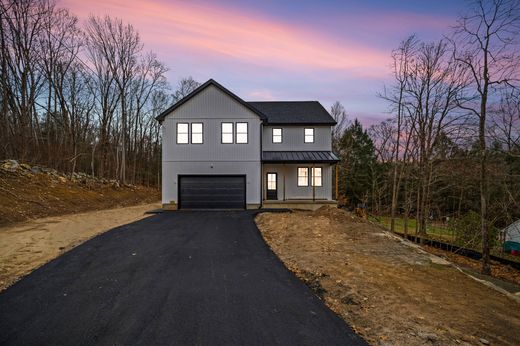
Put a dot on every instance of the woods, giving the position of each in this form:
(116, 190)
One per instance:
(79, 97)
(451, 147)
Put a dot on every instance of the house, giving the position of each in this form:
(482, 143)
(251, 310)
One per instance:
(221, 152)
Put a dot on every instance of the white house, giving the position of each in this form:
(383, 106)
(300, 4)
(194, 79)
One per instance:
(220, 152)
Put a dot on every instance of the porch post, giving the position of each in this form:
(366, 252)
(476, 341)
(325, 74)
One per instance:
(283, 170)
(313, 184)
(337, 181)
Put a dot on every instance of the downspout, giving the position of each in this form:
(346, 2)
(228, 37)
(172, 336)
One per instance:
(261, 166)
(283, 170)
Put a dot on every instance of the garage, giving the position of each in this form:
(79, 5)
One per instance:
(212, 192)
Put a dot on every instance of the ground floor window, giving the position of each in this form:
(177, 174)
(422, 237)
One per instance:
(303, 176)
(316, 176)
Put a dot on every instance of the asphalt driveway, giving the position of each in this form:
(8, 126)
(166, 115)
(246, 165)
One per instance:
(175, 278)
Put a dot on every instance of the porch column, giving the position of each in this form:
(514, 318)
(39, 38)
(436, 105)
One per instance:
(313, 185)
(283, 173)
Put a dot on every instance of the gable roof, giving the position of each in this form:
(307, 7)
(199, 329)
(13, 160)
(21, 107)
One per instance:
(294, 112)
(188, 97)
(271, 112)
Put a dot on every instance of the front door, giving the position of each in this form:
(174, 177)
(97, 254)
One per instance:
(272, 186)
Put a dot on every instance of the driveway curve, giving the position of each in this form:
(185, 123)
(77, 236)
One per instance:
(202, 278)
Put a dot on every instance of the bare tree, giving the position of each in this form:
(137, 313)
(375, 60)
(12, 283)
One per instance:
(401, 59)
(120, 45)
(339, 114)
(485, 42)
(185, 86)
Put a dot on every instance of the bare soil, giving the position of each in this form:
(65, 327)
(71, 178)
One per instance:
(389, 290)
(26, 246)
(25, 196)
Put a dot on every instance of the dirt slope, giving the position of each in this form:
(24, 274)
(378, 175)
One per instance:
(32, 192)
(26, 246)
(390, 291)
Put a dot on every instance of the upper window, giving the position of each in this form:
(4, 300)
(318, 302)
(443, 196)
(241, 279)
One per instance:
(182, 133)
(241, 133)
(227, 133)
(316, 176)
(309, 135)
(303, 176)
(277, 135)
(197, 135)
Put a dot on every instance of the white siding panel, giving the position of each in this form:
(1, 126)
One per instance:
(288, 181)
(293, 139)
(211, 107)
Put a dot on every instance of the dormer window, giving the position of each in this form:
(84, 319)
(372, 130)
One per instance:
(277, 135)
(309, 135)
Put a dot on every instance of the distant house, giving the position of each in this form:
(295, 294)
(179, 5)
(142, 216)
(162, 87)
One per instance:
(221, 152)
(511, 236)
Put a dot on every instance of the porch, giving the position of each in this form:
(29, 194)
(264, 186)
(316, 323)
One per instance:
(303, 180)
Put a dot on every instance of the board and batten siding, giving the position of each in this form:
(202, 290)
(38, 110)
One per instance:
(293, 138)
(211, 107)
(288, 181)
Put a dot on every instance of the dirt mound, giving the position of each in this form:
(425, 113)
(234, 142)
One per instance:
(390, 291)
(29, 192)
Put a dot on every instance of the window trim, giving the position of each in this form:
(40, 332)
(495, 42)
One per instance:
(247, 132)
(177, 133)
(281, 135)
(298, 176)
(305, 136)
(202, 133)
(222, 132)
(313, 177)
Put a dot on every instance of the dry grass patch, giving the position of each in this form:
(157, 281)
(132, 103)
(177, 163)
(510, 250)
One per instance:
(390, 291)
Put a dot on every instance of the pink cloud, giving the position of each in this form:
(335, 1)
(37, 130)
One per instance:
(210, 33)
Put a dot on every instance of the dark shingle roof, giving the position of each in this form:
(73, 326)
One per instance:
(299, 156)
(294, 112)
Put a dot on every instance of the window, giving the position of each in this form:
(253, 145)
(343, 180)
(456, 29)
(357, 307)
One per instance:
(309, 135)
(197, 136)
(303, 176)
(241, 133)
(227, 133)
(316, 176)
(277, 135)
(182, 133)
(271, 181)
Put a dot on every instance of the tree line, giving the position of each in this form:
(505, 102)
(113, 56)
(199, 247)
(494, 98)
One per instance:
(452, 143)
(80, 96)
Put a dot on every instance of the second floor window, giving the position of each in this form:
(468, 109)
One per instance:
(182, 133)
(241, 133)
(227, 133)
(277, 135)
(309, 135)
(197, 136)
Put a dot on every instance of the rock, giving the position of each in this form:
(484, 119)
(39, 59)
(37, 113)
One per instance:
(36, 169)
(10, 165)
(484, 341)
(428, 336)
(115, 184)
(62, 179)
(25, 166)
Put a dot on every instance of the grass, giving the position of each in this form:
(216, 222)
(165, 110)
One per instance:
(432, 230)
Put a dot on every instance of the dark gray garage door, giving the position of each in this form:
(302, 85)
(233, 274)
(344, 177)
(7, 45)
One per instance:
(212, 192)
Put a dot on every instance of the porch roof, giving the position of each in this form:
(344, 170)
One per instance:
(299, 156)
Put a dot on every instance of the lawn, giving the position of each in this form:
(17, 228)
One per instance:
(434, 231)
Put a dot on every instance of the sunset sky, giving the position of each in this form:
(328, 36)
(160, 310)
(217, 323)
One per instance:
(283, 50)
